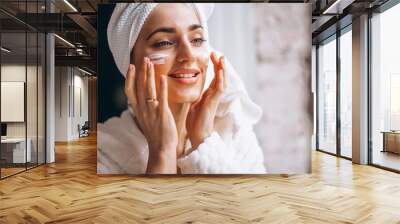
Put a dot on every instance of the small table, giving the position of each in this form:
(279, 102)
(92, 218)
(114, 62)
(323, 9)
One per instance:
(391, 141)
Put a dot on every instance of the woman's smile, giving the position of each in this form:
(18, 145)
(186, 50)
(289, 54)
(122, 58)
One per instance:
(185, 76)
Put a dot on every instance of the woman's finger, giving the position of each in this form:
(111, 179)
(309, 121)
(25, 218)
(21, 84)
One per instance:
(214, 58)
(219, 85)
(141, 84)
(223, 68)
(151, 96)
(163, 97)
(130, 90)
(217, 67)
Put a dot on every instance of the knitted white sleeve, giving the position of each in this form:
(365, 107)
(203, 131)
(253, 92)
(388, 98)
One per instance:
(241, 155)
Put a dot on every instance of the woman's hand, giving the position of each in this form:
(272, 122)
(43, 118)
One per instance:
(200, 121)
(153, 116)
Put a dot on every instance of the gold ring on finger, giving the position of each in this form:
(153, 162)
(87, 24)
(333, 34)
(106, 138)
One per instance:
(150, 100)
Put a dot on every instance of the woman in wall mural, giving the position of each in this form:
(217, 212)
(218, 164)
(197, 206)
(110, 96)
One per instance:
(188, 110)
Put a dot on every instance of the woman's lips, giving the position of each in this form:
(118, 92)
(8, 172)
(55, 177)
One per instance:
(185, 76)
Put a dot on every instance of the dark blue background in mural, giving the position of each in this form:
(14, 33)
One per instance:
(110, 93)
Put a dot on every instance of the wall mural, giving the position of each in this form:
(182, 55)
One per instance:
(202, 88)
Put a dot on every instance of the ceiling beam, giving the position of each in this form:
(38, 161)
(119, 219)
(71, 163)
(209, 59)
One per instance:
(86, 26)
(83, 61)
(337, 7)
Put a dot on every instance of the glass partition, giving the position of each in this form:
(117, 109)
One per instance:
(22, 77)
(14, 153)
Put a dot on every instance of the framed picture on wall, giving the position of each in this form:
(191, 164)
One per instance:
(12, 101)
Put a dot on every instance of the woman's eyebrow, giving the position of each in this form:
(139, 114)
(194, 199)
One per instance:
(195, 26)
(162, 29)
(173, 30)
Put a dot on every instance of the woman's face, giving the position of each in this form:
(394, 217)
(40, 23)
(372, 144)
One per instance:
(174, 29)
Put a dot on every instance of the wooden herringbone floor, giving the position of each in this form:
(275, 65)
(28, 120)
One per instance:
(70, 191)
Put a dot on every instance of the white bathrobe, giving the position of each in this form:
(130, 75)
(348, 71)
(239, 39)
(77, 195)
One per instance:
(123, 149)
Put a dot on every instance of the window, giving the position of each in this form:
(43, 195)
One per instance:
(327, 96)
(346, 92)
(385, 89)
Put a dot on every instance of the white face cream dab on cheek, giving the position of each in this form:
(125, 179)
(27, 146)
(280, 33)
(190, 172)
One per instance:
(158, 59)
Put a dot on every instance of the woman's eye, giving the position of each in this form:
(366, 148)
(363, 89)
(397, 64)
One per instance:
(198, 41)
(162, 44)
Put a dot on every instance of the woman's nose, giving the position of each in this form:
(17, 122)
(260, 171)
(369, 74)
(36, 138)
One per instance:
(185, 52)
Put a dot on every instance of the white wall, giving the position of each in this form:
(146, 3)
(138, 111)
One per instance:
(14, 73)
(61, 103)
(17, 73)
(70, 83)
